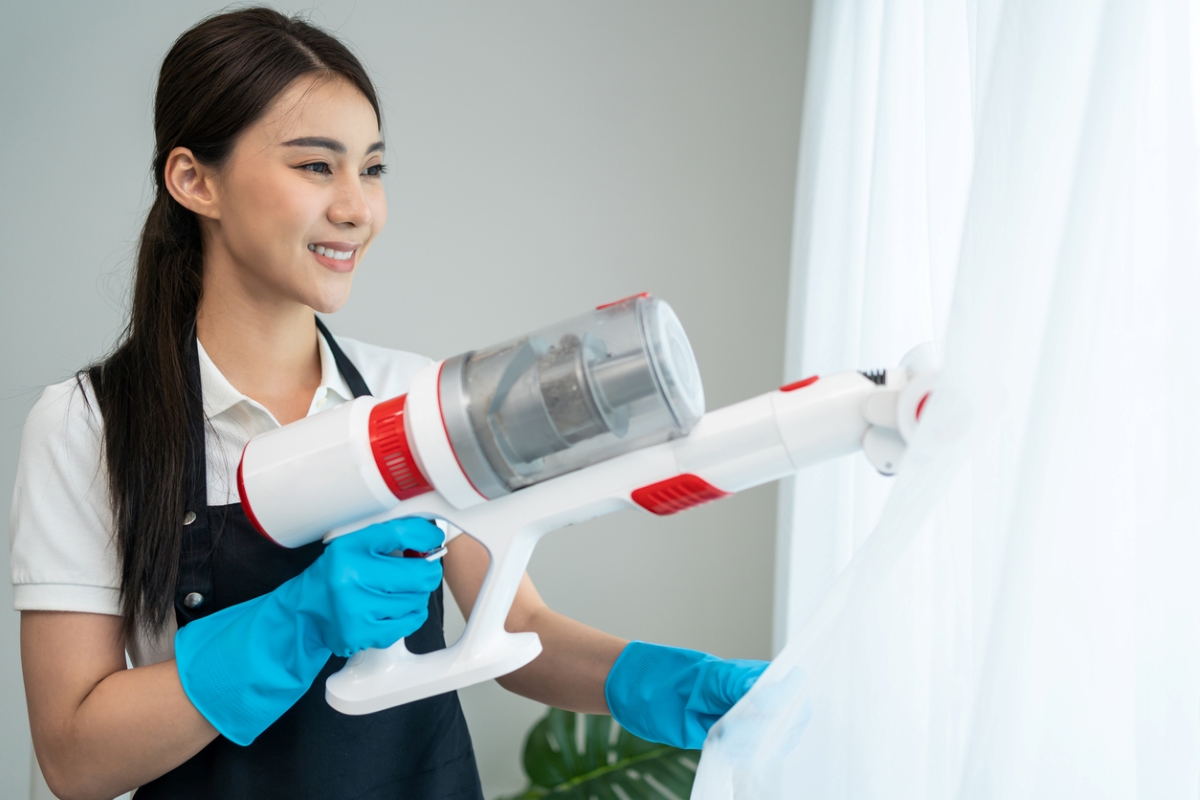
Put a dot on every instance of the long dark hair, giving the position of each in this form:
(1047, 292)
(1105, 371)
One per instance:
(217, 80)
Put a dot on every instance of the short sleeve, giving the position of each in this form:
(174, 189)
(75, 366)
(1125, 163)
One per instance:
(63, 552)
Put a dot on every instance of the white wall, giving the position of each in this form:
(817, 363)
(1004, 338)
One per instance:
(544, 157)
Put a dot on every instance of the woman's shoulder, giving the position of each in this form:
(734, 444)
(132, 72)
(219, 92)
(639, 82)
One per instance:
(65, 412)
(386, 371)
(62, 442)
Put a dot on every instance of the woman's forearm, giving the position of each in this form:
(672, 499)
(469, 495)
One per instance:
(134, 726)
(99, 729)
(573, 666)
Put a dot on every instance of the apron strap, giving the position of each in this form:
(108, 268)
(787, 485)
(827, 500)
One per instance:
(349, 372)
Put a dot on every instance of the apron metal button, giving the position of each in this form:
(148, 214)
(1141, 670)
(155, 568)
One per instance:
(193, 599)
(189, 518)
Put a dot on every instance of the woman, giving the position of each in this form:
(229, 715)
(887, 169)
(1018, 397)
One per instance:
(127, 531)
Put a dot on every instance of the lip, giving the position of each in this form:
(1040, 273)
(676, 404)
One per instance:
(333, 264)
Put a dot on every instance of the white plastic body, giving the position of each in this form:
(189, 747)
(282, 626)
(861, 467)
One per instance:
(315, 474)
(324, 471)
(743, 445)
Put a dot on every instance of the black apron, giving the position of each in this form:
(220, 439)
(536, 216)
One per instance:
(418, 750)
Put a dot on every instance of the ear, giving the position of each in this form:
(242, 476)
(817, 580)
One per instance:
(192, 184)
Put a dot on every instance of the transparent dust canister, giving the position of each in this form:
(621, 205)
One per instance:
(616, 379)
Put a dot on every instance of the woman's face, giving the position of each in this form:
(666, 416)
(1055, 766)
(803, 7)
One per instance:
(300, 198)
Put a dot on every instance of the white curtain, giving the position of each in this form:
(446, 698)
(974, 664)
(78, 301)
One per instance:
(1017, 614)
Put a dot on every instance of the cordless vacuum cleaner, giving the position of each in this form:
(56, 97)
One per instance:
(600, 413)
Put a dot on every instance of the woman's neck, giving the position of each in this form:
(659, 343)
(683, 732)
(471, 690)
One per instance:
(267, 351)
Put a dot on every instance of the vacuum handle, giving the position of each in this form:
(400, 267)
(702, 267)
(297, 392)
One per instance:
(373, 680)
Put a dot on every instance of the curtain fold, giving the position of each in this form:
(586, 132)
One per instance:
(1017, 614)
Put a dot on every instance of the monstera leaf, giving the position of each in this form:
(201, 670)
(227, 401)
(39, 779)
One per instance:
(571, 756)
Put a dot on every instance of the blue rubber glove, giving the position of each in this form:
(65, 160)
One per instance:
(245, 665)
(673, 696)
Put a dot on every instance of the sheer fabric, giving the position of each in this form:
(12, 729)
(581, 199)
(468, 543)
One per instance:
(1018, 613)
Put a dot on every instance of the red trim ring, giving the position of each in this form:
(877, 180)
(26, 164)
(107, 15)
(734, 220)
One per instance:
(241, 484)
(392, 452)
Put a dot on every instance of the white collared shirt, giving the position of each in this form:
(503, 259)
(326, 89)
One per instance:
(64, 555)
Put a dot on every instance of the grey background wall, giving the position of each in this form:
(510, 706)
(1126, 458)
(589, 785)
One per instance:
(544, 157)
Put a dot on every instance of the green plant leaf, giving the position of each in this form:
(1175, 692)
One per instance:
(571, 756)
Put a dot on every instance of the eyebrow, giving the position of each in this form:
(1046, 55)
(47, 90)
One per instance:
(328, 144)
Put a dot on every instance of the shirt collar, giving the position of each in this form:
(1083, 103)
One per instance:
(220, 395)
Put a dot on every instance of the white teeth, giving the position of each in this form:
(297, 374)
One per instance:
(337, 255)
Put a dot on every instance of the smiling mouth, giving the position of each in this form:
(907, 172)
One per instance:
(328, 252)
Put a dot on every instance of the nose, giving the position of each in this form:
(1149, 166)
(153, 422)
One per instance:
(349, 206)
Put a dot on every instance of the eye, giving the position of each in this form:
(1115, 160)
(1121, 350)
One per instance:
(319, 167)
(375, 171)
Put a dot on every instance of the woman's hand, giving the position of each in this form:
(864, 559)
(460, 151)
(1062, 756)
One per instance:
(671, 695)
(244, 666)
(357, 595)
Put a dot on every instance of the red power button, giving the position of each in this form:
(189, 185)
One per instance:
(676, 494)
